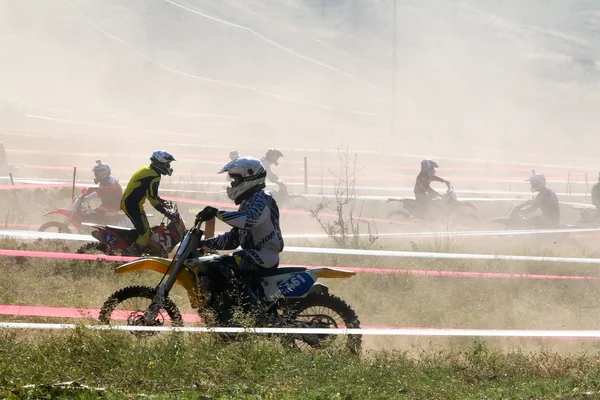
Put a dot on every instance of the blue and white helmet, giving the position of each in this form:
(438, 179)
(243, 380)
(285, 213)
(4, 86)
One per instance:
(537, 181)
(101, 171)
(429, 166)
(245, 173)
(161, 161)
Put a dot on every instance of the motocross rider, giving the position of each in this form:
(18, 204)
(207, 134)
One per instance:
(255, 225)
(423, 191)
(144, 185)
(596, 197)
(545, 200)
(109, 191)
(272, 158)
(3, 159)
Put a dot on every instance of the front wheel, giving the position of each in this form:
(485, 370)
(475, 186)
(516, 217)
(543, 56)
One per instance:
(324, 311)
(127, 306)
(54, 226)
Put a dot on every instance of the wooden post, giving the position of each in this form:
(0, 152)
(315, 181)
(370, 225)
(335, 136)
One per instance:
(209, 229)
(305, 175)
(74, 177)
(12, 181)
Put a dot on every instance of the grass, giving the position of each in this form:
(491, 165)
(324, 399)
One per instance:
(202, 367)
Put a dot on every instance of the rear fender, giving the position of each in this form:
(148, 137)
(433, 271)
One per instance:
(186, 278)
(59, 211)
(467, 204)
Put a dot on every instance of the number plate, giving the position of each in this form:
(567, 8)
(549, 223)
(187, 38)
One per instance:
(111, 239)
(297, 285)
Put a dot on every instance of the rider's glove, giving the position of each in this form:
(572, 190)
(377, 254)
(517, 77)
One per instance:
(207, 214)
(448, 184)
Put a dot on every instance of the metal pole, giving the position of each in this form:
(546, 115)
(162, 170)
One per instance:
(73, 191)
(393, 105)
(305, 175)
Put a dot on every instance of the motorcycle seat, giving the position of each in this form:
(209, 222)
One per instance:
(130, 234)
(266, 272)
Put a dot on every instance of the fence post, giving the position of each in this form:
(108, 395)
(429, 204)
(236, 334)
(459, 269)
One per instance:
(587, 187)
(73, 190)
(305, 175)
(12, 181)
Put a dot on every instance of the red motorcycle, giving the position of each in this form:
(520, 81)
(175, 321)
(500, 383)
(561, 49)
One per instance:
(80, 214)
(114, 240)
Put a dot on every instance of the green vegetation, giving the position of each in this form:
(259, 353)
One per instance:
(202, 367)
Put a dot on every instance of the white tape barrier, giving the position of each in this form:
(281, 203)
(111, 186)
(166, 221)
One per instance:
(447, 256)
(315, 150)
(583, 334)
(88, 183)
(22, 234)
(352, 252)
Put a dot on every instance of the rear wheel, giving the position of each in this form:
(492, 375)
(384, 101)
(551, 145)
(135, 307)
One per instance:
(324, 311)
(96, 248)
(54, 226)
(127, 306)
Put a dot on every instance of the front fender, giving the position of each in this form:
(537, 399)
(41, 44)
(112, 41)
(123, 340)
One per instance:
(59, 211)
(186, 278)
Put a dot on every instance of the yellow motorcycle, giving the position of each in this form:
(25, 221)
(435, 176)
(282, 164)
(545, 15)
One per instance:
(276, 297)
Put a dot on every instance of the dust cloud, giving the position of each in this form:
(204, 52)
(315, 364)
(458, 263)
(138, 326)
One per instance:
(480, 85)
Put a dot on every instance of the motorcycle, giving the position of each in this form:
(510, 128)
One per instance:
(295, 200)
(438, 208)
(79, 214)
(517, 220)
(275, 297)
(118, 240)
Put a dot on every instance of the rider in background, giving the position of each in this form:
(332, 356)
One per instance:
(144, 185)
(272, 158)
(255, 225)
(109, 191)
(423, 191)
(234, 155)
(545, 200)
(596, 197)
(3, 159)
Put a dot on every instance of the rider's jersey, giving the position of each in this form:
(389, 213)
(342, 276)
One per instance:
(270, 174)
(255, 228)
(142, 185)
(110, 194)
(423, 185)
(596, 194)
(547, 201)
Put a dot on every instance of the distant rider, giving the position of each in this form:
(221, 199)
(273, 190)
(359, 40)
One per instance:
(272, 158)
(596, 197)
(144, 185)
(109, 191)
(234, 155)
(255, 223)
(423, 191)
(545, 200)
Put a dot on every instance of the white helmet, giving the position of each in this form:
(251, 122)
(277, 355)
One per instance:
(245, 173)
(429, 166)
(101, 171)
(273, 156)
(161, 161)
(537, 181)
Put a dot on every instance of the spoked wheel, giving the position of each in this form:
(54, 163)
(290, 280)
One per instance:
(325, 311)
(54, 226)
(127, 306)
